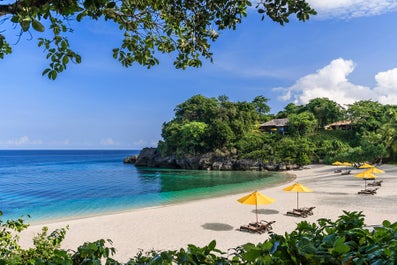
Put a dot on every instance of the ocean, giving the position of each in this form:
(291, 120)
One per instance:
(49, 185)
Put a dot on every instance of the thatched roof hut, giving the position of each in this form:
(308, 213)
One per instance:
(339, 125)
(274, 125)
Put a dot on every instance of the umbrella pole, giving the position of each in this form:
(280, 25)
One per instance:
(256, 210)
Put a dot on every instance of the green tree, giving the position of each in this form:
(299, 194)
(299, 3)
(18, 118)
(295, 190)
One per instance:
(171, 134)
(388, 131)
(147, 28)
(291, 108)
(367, 115)
(192, 138)
(220, 135)
(204, 124)
(298, 150)
(197, 108)
(244, 119)
(325, 110)
(302, 123)
(261, 107)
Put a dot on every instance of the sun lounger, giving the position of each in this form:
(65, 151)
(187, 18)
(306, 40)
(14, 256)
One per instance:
(302, 212)
(296, 213)
(338, 171)
(368, 191)
(260, 227)
(375, 183)
(347, 172)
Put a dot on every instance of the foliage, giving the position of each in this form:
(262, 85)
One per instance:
(302, 123)
(47, 248)
(229, 125)
(147, 28)
(260, 104)
(296, 150)
(218, 123)
(325, 110)
(344, 241)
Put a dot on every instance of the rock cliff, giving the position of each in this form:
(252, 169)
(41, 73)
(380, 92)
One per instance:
(150, 157)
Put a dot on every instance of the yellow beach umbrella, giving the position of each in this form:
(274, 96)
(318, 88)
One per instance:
(375, 170)
(337, 163)
(347, 164)
(365, 175)
(298, 188)
(366, 165)
(256, 198)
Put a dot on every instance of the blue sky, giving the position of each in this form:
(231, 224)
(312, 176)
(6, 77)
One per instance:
(346, 53)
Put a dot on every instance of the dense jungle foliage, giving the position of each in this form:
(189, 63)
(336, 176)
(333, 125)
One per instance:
(204, 125)
(344, 241)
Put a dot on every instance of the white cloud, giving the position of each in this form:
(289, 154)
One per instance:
(386, 88)
(109, 141)
(141, 143)
(332, 82)
(352, 8)
(22, 141)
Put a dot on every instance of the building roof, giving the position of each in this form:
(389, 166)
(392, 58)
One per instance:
(275, 123)
(339, 123)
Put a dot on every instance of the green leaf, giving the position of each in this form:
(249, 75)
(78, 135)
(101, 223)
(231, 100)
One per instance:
(15, 19)
(37, 25)
(212, 245)
(45, 71)
(25, 24)
(111, 5)
(52, 75)
(340, 247)
(65, 60)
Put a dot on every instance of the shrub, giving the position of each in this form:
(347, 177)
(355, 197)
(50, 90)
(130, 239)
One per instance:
(344, 241)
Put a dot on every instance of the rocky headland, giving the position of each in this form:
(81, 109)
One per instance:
(150, 157)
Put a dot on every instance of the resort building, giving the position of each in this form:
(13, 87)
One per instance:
(339, 125)
(275, 125)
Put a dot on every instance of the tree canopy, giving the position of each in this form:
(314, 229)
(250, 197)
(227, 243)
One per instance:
(204, 124)
(185, 28)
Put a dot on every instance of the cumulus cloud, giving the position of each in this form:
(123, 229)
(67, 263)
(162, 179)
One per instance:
(332, 82)
(141, 143)
(352, 8)
(109, 141)
(22, 141)
(386, 88)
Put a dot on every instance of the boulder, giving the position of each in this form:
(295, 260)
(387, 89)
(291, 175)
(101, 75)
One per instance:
(130, 159)
(145, 157)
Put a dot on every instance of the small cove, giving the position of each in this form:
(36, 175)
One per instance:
(65, 184)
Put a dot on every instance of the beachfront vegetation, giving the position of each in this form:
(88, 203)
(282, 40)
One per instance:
(147, 28)
(344, 241)
(204, 125)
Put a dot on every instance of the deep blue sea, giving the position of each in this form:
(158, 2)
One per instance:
(61, 184)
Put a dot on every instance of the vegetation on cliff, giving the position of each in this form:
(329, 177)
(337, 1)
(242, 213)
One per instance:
(204, 125)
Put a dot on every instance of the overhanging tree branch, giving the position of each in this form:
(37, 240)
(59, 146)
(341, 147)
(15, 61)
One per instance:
(184, 27)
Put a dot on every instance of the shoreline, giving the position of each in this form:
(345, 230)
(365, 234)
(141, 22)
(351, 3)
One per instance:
(174, 226)
(288, 178)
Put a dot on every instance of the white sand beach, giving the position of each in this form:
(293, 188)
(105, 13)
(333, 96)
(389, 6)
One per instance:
(198, 222)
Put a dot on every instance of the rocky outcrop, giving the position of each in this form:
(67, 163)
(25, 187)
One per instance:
(150, 157)
(130, 159)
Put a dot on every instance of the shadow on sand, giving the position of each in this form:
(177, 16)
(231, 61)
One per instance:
(217, 227)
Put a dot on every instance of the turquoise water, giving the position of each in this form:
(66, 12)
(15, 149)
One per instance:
(60, 184)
